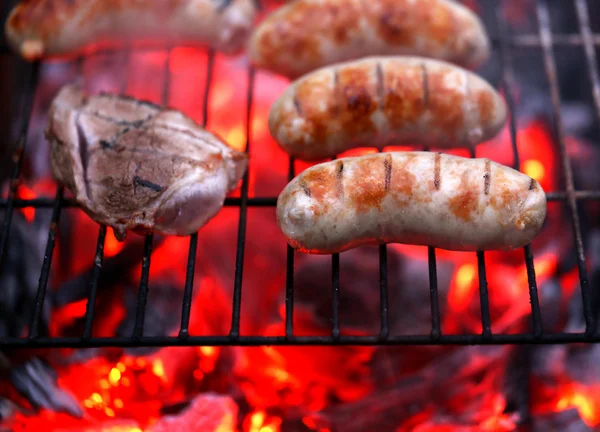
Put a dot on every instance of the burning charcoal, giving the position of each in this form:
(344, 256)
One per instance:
(473, 382)
(113, 271)
(594, 260)
(207, 412)
(408, 287)
(37, 382)
(20, 272)
(7, 410)
(516, 383)
(135, 165)
(7, 108)
(162, 314)
(564, 421)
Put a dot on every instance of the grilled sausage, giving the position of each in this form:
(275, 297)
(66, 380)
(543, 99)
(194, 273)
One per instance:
(381, 101)
(308, 34)
(46, 28)
(417, 198)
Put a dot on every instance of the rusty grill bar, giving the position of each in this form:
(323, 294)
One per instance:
(505, 43)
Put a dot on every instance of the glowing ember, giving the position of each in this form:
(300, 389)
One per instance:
(585, 399)
(258, 422)
(25, 193)
(258, 389)
(464, 286)
(111, 245)
(534, 169)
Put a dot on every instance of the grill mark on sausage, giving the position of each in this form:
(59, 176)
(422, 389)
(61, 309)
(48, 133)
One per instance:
(298, 106)
(487, 177)
(339, 177)
(387, 164)
(437, 171)
(532, 185)
(425, 78)
(380, 85)
(305, 188)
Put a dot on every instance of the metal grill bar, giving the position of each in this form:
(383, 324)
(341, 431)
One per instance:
(140, 313)
(436, 331)
(483, 287)
(161, 341)
(508, 85)
(241, 241)
(590, 51)
(45, 274)
(138, 328)
(191, 264)
(544, 40)
(517, 41)
(289, 276)
(265, 201)
(384, 330)
(483, 296)
(91, 302)
(335, 296)
(550, 67)
(28, 86)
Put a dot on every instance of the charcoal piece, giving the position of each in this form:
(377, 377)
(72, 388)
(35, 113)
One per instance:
(206, 412)
(7, 410)
(162, 314)
(37, 381)
(454, 371)
(20, 273)
(408, 290)
(552, 301)
(114, 271)
(516, 384)
(594, 274)
(7, 108)
(564, 421)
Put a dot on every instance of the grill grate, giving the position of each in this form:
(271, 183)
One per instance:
(544, 40)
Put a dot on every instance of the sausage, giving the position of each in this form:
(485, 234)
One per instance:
(381, 101)
(419, 198)
(308, 34)
(49, 28)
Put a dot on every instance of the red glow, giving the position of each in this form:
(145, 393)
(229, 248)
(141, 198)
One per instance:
(112, 246)
(585, 399)
(268, 385)
(25, 193)
(464, 286)
(567, 394)
(537, 152)
(64, 316)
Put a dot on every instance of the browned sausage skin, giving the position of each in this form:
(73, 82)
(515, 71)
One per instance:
(381, 101)
(307, 34)
(48, 28)
(418, 198)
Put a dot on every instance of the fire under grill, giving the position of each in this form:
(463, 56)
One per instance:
(286, 341)
(545, 41)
